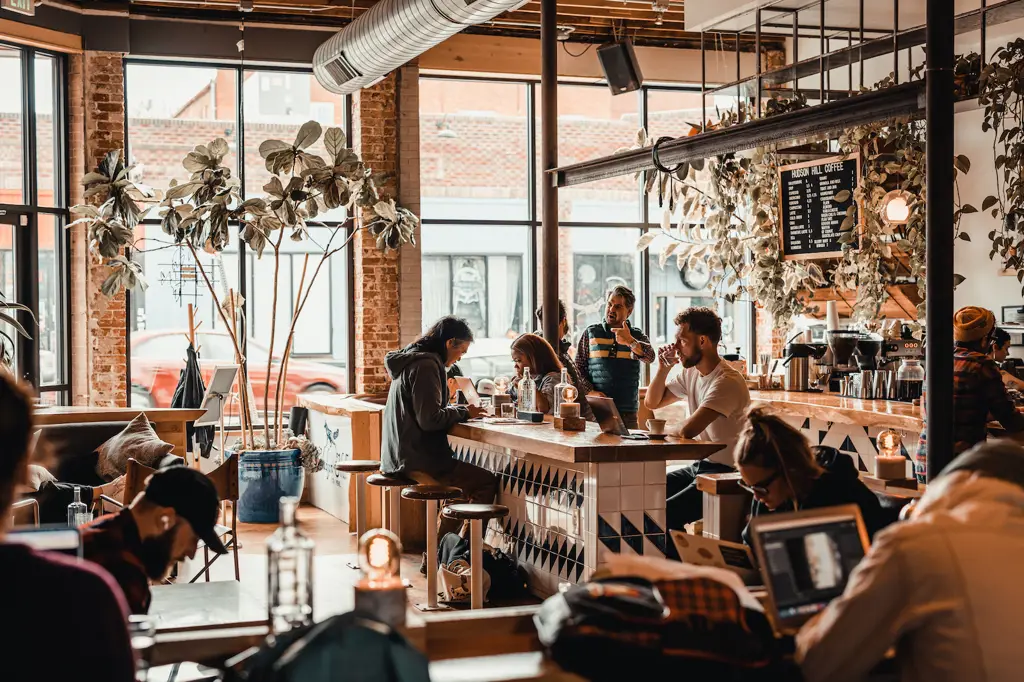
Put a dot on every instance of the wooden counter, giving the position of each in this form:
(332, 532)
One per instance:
(341, 404)
(830, 407)
(581, 446)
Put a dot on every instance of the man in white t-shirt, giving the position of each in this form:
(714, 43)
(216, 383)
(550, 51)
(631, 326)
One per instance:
(717, 397)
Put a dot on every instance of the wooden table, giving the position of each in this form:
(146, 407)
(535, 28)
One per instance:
(525, 667)
(168, 422)
(186, 607)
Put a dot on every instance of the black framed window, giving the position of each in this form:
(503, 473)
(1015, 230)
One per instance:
(171, 107)
(480, 182)
(34, 246)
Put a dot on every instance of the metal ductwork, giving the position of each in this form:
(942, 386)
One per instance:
(391, 33)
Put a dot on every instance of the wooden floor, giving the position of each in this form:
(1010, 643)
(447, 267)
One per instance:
(332, 578)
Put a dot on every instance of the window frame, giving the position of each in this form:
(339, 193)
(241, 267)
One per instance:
(243, 254)
(533, 223)
(25, 229)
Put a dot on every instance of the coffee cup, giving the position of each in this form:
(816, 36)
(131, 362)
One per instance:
(656, 426)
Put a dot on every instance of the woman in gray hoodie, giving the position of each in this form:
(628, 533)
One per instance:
(417, 417)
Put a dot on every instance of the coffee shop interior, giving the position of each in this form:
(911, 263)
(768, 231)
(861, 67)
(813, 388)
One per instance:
(512, 340)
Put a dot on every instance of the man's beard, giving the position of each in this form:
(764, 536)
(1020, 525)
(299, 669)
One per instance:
(693, 360)
(155, 555)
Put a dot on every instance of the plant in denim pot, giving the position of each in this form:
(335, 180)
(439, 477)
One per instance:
(201, 213)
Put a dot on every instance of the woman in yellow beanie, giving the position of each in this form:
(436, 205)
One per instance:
(978, 389)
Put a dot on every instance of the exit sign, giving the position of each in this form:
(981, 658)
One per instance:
(20, 6)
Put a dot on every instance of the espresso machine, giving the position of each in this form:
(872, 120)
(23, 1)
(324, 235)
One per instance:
(842, 344)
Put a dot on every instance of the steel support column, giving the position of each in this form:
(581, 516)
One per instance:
(549, 161)
(939, 219)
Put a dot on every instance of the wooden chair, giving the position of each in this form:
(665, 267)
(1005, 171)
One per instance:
(225, 480)
(25, 513)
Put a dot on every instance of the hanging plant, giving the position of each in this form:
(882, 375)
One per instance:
(1002, 95)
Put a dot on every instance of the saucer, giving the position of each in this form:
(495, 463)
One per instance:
(657, 436)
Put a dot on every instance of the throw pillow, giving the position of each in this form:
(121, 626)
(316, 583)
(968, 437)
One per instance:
(137, 441)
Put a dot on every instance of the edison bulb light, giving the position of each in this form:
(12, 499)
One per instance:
(380, 555)
(897, 208)
(889, 442)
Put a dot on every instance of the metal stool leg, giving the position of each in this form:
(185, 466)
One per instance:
(431, 555)
(476, 560)
(396, 511)
(360, 481)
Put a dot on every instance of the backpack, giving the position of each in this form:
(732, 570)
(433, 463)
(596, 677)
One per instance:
(503, 577)
(348, 647)
(691, 628)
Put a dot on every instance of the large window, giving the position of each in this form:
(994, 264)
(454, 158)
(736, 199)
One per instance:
(33, 213)
(172, 108)
(481, 186)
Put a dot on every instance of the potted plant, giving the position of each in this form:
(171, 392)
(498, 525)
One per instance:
(199, 213)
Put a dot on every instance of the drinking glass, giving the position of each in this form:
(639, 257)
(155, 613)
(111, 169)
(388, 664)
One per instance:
(508, 410)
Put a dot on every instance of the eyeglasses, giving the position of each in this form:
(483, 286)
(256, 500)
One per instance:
(761, 487)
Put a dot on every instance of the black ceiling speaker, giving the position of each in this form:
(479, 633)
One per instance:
(621, 70)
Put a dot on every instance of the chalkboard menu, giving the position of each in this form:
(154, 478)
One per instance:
(811, 220)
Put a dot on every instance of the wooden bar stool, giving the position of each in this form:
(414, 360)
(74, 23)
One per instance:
(431, 494)
(393, 484)
(476, 514)
(359, 468)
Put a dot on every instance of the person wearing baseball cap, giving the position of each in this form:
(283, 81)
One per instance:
(162, 526)
(978, 389)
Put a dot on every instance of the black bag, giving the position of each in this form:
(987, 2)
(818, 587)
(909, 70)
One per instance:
(693, 628)
(508, 579)
(346, 647)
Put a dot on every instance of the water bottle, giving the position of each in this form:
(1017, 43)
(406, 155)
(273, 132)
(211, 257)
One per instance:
(78, 513)
(527, 392)
(289, 572)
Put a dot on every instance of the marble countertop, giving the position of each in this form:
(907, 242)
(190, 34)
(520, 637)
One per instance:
(833, 408)
(581, 446)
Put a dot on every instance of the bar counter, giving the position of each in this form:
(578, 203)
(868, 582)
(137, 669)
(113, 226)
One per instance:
(573, 497)
(834, 408)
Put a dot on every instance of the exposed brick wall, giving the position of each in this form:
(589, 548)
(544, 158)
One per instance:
(98, 322)
(410, 263)
(375, 137)
(769, 338)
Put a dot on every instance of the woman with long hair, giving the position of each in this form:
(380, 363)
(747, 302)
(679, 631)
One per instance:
(417, 416)
(784, 473)
(533, 352)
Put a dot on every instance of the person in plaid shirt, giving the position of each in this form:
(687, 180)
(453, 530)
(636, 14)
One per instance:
(161, 527)
(978, 389)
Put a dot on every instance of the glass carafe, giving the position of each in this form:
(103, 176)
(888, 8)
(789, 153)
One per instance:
(909, 380)
(527, 392)
(565, 392)
(78, 513)
(289, 572)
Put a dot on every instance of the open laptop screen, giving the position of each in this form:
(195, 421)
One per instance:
(54, 538)
(808, 564)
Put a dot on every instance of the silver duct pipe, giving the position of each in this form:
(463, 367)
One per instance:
(391, 33)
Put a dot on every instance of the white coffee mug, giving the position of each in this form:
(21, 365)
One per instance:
(656, 426)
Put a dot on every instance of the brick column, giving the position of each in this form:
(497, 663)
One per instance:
(376, 299)
(98, 336)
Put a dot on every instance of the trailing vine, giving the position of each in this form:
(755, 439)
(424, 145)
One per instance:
(1002, 95)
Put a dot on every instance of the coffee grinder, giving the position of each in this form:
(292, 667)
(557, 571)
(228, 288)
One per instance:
(842, 343)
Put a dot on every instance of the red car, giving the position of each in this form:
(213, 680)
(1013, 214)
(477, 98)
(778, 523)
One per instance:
(159, 356)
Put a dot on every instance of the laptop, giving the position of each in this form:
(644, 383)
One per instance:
(56, 538)
(610, 420)
(702, 551)
(465, 385)
(806, 559)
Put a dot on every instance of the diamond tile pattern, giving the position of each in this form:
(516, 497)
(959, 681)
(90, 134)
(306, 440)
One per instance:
(857, 441)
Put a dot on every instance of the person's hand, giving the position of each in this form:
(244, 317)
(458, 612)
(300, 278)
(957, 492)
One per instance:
(668, 355)
(624, 336)
(476, 411)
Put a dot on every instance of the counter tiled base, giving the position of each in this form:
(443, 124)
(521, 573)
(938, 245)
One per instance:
(855, 440)
(564, 518)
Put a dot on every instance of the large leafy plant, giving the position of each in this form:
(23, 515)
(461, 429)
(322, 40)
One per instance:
(201, 212)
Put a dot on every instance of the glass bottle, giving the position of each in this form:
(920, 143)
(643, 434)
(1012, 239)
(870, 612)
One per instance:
(527, 392)
(289, 572)
(78, 513)
(565, 392)
(909, 380)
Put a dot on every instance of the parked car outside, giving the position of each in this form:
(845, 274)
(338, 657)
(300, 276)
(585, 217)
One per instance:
(159, 356)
